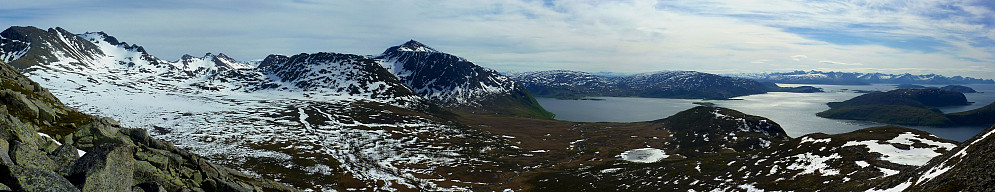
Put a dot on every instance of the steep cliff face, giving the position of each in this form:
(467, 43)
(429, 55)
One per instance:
(46, 146)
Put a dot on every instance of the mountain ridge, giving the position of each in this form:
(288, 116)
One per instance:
(567, 84)
(855, 78)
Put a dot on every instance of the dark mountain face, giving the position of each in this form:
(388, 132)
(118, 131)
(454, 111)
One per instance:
(457, 83)
(670, 84)
(24, 47)
(902, 106)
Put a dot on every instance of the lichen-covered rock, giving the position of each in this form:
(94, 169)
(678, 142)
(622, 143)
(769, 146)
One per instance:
(18, 100)
(106, 168)
(36, 179)
(103, 132)
(27, 155)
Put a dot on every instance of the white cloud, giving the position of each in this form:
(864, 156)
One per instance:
(799, 57)
(838, 63)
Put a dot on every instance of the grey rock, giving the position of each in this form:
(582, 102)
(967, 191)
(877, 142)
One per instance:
(106, 168)
(35, 179)
(4, 156)
(145, 172)
(30, 156)
(19, 100)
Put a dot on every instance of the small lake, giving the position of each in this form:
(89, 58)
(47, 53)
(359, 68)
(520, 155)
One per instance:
(795, 112)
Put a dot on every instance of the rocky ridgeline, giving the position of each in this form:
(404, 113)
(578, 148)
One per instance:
(48, 147)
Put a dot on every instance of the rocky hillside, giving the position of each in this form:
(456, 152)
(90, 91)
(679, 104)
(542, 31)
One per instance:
(48, 147)
(669, 84)
(965, 168)
(902, 106)
(815, 162)
(458, 83)
(700, 130)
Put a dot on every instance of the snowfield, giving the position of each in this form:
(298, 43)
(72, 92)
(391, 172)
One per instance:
(644, 155)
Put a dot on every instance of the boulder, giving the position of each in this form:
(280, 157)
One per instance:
(36, 179)
(5, 153)
(29, 156)
(18, 100)
(105, 168)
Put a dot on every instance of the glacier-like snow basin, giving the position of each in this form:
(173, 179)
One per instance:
(644, 155)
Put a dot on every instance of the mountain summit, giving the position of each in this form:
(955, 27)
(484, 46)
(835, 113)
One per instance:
(457, 83)
(413, 45)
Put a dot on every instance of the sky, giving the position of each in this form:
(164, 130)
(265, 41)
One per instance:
(948, 37)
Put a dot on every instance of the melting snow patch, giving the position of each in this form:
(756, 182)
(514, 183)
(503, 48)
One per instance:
(610, 170)
(862, 163)
(810, 163)
(809, 139)
(897, 188)
(888, 172)
(644, 155)
(911, 156)
(49, 138)
(750, 188)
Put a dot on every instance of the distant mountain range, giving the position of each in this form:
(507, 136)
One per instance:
(666, 84)
(853, 78)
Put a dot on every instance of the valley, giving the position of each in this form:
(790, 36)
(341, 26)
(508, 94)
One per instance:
(418, 119)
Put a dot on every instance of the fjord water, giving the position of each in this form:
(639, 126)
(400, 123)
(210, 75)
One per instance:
(795, 112)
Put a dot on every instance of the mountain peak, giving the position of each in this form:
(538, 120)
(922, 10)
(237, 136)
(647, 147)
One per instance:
(416, 46)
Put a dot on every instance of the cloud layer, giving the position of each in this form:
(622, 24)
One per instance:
(952, 37)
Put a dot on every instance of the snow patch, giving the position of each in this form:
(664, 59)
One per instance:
(644, 155)
(911, 156)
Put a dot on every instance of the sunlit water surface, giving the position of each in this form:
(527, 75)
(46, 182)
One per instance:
(795, 112)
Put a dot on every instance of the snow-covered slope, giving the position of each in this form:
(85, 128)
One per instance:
(455, 82)
(443, 78)
(302, 119)
(336, 73)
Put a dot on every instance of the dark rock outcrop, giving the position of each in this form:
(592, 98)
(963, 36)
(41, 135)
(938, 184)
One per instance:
(902, 106)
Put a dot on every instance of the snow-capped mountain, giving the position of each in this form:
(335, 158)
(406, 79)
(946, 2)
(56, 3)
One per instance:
(852, 78)
(336, 73)
(667, 84)
(455, 82)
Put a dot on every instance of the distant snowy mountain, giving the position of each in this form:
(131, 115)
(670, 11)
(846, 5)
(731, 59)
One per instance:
(850, 78)
(455, 82)
(668, 84)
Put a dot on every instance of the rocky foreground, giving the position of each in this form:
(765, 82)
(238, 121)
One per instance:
(48, 147)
